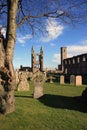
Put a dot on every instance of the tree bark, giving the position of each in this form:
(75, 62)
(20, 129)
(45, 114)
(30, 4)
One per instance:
(2, 51)
(7, 71)
(11, 34)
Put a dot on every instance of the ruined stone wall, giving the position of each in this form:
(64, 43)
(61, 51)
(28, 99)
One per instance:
(37, 63)
(76, 65)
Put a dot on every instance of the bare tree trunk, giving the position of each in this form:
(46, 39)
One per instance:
(2, 51)
(11, 33)
(7, 71)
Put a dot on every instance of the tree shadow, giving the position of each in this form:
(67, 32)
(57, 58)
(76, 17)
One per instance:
(22, 96)
(63, 102)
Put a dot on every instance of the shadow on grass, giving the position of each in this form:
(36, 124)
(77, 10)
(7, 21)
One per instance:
(22, 96)
(63, 102)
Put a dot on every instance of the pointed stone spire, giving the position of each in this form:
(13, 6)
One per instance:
(41, 50)
(32, 49)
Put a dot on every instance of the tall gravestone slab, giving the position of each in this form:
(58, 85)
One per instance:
(17, 76)
(38, 91)
(78, 80)
(23, 84)
(38, 79)
(62, 79)
(72, 79)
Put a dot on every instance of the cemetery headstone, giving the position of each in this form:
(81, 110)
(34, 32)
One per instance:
(62, 79)
(72, 79)
(38, 79)
(23, 83)
(78, 80)
(51, 78)
(17, 76)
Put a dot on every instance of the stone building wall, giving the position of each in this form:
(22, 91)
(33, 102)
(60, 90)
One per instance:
(76, 65)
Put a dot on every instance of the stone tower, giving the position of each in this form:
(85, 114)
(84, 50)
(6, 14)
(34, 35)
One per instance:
(63, 55)
(41, 59)
(37, 59)
(32, 58)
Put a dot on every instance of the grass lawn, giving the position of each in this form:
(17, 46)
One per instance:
(56, 110)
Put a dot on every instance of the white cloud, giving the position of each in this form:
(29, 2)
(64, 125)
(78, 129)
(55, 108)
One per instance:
(3, 31)
(72, 50)
(22, 39)
(54, 30)
(52, 44)
(56, 58)
(76, 50)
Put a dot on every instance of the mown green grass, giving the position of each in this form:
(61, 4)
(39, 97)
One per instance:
(56, 110)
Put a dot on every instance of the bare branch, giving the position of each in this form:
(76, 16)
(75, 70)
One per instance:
(3, 5)
(3, 12)
(49, 14)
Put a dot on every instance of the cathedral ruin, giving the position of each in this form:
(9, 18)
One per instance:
(76, 65)
(37, 59)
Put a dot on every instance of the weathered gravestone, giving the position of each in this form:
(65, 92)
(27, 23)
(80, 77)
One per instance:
(62, 79)
(51, 78)
(78, 80)
(23, 83)
(38, 79)
(17, 76)
(72, 79)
